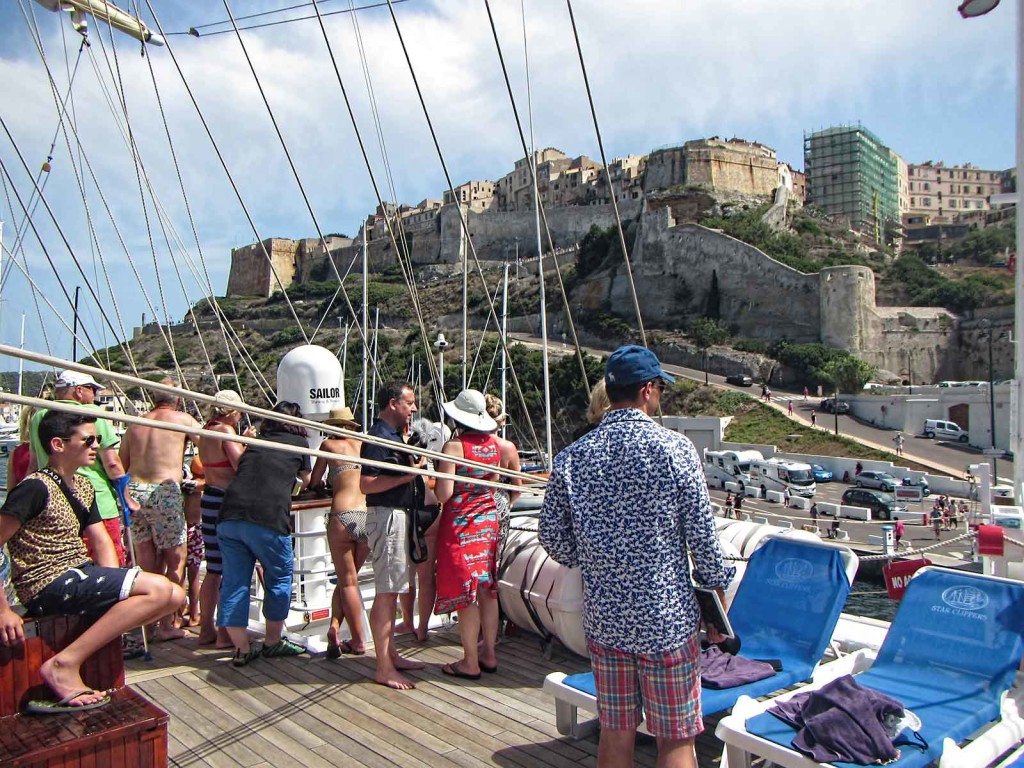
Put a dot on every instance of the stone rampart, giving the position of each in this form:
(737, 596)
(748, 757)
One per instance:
(676, 265)
(251, 273)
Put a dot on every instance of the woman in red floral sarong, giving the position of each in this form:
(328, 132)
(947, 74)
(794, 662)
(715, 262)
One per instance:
(467, 541)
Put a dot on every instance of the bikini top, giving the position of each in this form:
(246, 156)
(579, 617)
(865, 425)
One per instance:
(336, 470)
(214, 464)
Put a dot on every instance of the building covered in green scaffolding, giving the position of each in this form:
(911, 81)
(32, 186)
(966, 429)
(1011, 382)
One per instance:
(851, 173)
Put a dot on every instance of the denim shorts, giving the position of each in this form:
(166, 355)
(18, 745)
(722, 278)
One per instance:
(87, 589)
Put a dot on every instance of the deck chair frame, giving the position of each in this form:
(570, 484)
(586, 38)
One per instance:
(569, 700)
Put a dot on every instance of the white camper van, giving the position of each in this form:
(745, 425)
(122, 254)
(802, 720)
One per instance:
(721, 467)
(780, 475)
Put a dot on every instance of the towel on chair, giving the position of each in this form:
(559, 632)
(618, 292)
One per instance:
(842, 722)
(723, 670)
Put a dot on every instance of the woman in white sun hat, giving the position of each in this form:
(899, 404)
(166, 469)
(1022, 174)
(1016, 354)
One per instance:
(467, 540)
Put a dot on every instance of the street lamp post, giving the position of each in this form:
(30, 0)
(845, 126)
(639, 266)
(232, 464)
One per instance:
(986, 325)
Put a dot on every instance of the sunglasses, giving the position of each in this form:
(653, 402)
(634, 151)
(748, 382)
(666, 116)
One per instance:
(88, 441)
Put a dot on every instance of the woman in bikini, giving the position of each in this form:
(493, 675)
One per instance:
(346, 533)
(220, 462)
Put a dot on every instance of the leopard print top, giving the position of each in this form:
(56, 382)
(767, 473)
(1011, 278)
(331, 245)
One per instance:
(50, 543)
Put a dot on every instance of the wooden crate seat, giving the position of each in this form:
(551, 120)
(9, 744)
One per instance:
(130, 731)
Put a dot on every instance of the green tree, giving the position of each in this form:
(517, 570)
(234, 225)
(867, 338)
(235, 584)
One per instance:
(707, 332)
(848, 373)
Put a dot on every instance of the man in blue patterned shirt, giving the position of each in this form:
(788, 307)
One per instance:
(627, 503)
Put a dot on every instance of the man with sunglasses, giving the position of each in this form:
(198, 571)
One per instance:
(81, 388)
(628, 504)
(42, 522)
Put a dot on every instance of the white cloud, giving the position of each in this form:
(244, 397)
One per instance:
(928, 83)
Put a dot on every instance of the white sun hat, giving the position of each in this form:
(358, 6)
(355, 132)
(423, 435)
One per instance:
(469, 409)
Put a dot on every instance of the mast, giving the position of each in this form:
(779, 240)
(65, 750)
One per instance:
(504, 336)
(366, 332)
(21, 362)
(464, 253)
(74, 332)
(107, 13)
(548, 443)
(376, 331)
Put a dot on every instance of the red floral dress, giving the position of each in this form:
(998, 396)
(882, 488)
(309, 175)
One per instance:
(467, 540)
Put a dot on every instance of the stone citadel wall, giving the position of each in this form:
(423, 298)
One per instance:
(760, 298)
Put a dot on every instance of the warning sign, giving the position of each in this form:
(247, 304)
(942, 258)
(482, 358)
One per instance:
(898, 573)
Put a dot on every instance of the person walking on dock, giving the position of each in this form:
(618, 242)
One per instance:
(633, 486)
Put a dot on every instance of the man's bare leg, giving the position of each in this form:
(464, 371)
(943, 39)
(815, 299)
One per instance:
(382, 625)
(615, 749)
(152, 596)
(676, 753)
(174, 563)
(408, 602)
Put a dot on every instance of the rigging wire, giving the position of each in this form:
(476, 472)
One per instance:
(451, 188)
(611, 187)
(194, 31)
(223, 162)
(137, 163)
(377, 193)
(291, 165)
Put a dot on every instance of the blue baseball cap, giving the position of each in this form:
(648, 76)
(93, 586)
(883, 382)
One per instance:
(633, 364)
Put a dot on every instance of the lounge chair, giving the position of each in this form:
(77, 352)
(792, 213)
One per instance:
(785, 608)
(951, 657)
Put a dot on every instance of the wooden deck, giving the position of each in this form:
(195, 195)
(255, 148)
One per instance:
(310, 711)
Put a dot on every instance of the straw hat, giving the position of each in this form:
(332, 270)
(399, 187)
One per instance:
(227, 401)
(342, 417)
(469, 409)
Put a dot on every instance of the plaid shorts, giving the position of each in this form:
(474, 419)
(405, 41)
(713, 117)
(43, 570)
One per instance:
(664, 685)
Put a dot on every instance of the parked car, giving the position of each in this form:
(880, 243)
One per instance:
(883, 481)
(945, 430)
(922, 484)
(739, 380)
(821, 475)
(883, 505)
(829, 405)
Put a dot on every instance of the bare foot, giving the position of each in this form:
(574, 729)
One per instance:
(207, 639)
(223, 639)
(65, 681)
(194, 620)
(401, 663)
(421, 635)
(168, 633)
(402, 628)
(395, 680)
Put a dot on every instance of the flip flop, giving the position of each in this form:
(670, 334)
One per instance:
(45, 707)
(488, 668)
(335, 650)
(452, 671)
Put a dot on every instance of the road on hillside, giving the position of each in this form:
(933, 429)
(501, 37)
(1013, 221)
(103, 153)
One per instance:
(952, 457)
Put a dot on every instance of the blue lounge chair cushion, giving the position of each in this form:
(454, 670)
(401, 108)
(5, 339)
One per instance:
(786, 608)
(951, 652)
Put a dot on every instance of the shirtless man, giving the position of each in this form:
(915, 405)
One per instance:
(154, 457)
(220, 462)
(42, 522)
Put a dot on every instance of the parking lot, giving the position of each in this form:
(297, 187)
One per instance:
(917, 532)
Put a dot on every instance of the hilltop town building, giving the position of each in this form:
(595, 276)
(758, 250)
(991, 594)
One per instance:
(946, 195)
(723, 165)
(851, 173)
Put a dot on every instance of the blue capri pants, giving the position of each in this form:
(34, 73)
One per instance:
(241, 545)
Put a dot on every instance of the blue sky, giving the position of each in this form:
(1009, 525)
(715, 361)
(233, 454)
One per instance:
(932, 86)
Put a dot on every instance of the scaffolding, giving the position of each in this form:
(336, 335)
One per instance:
(851, 173)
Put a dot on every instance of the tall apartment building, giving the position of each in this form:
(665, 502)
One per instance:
(947, 195)
(851, 173)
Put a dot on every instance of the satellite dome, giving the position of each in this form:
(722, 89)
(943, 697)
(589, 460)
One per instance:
(311, 376)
